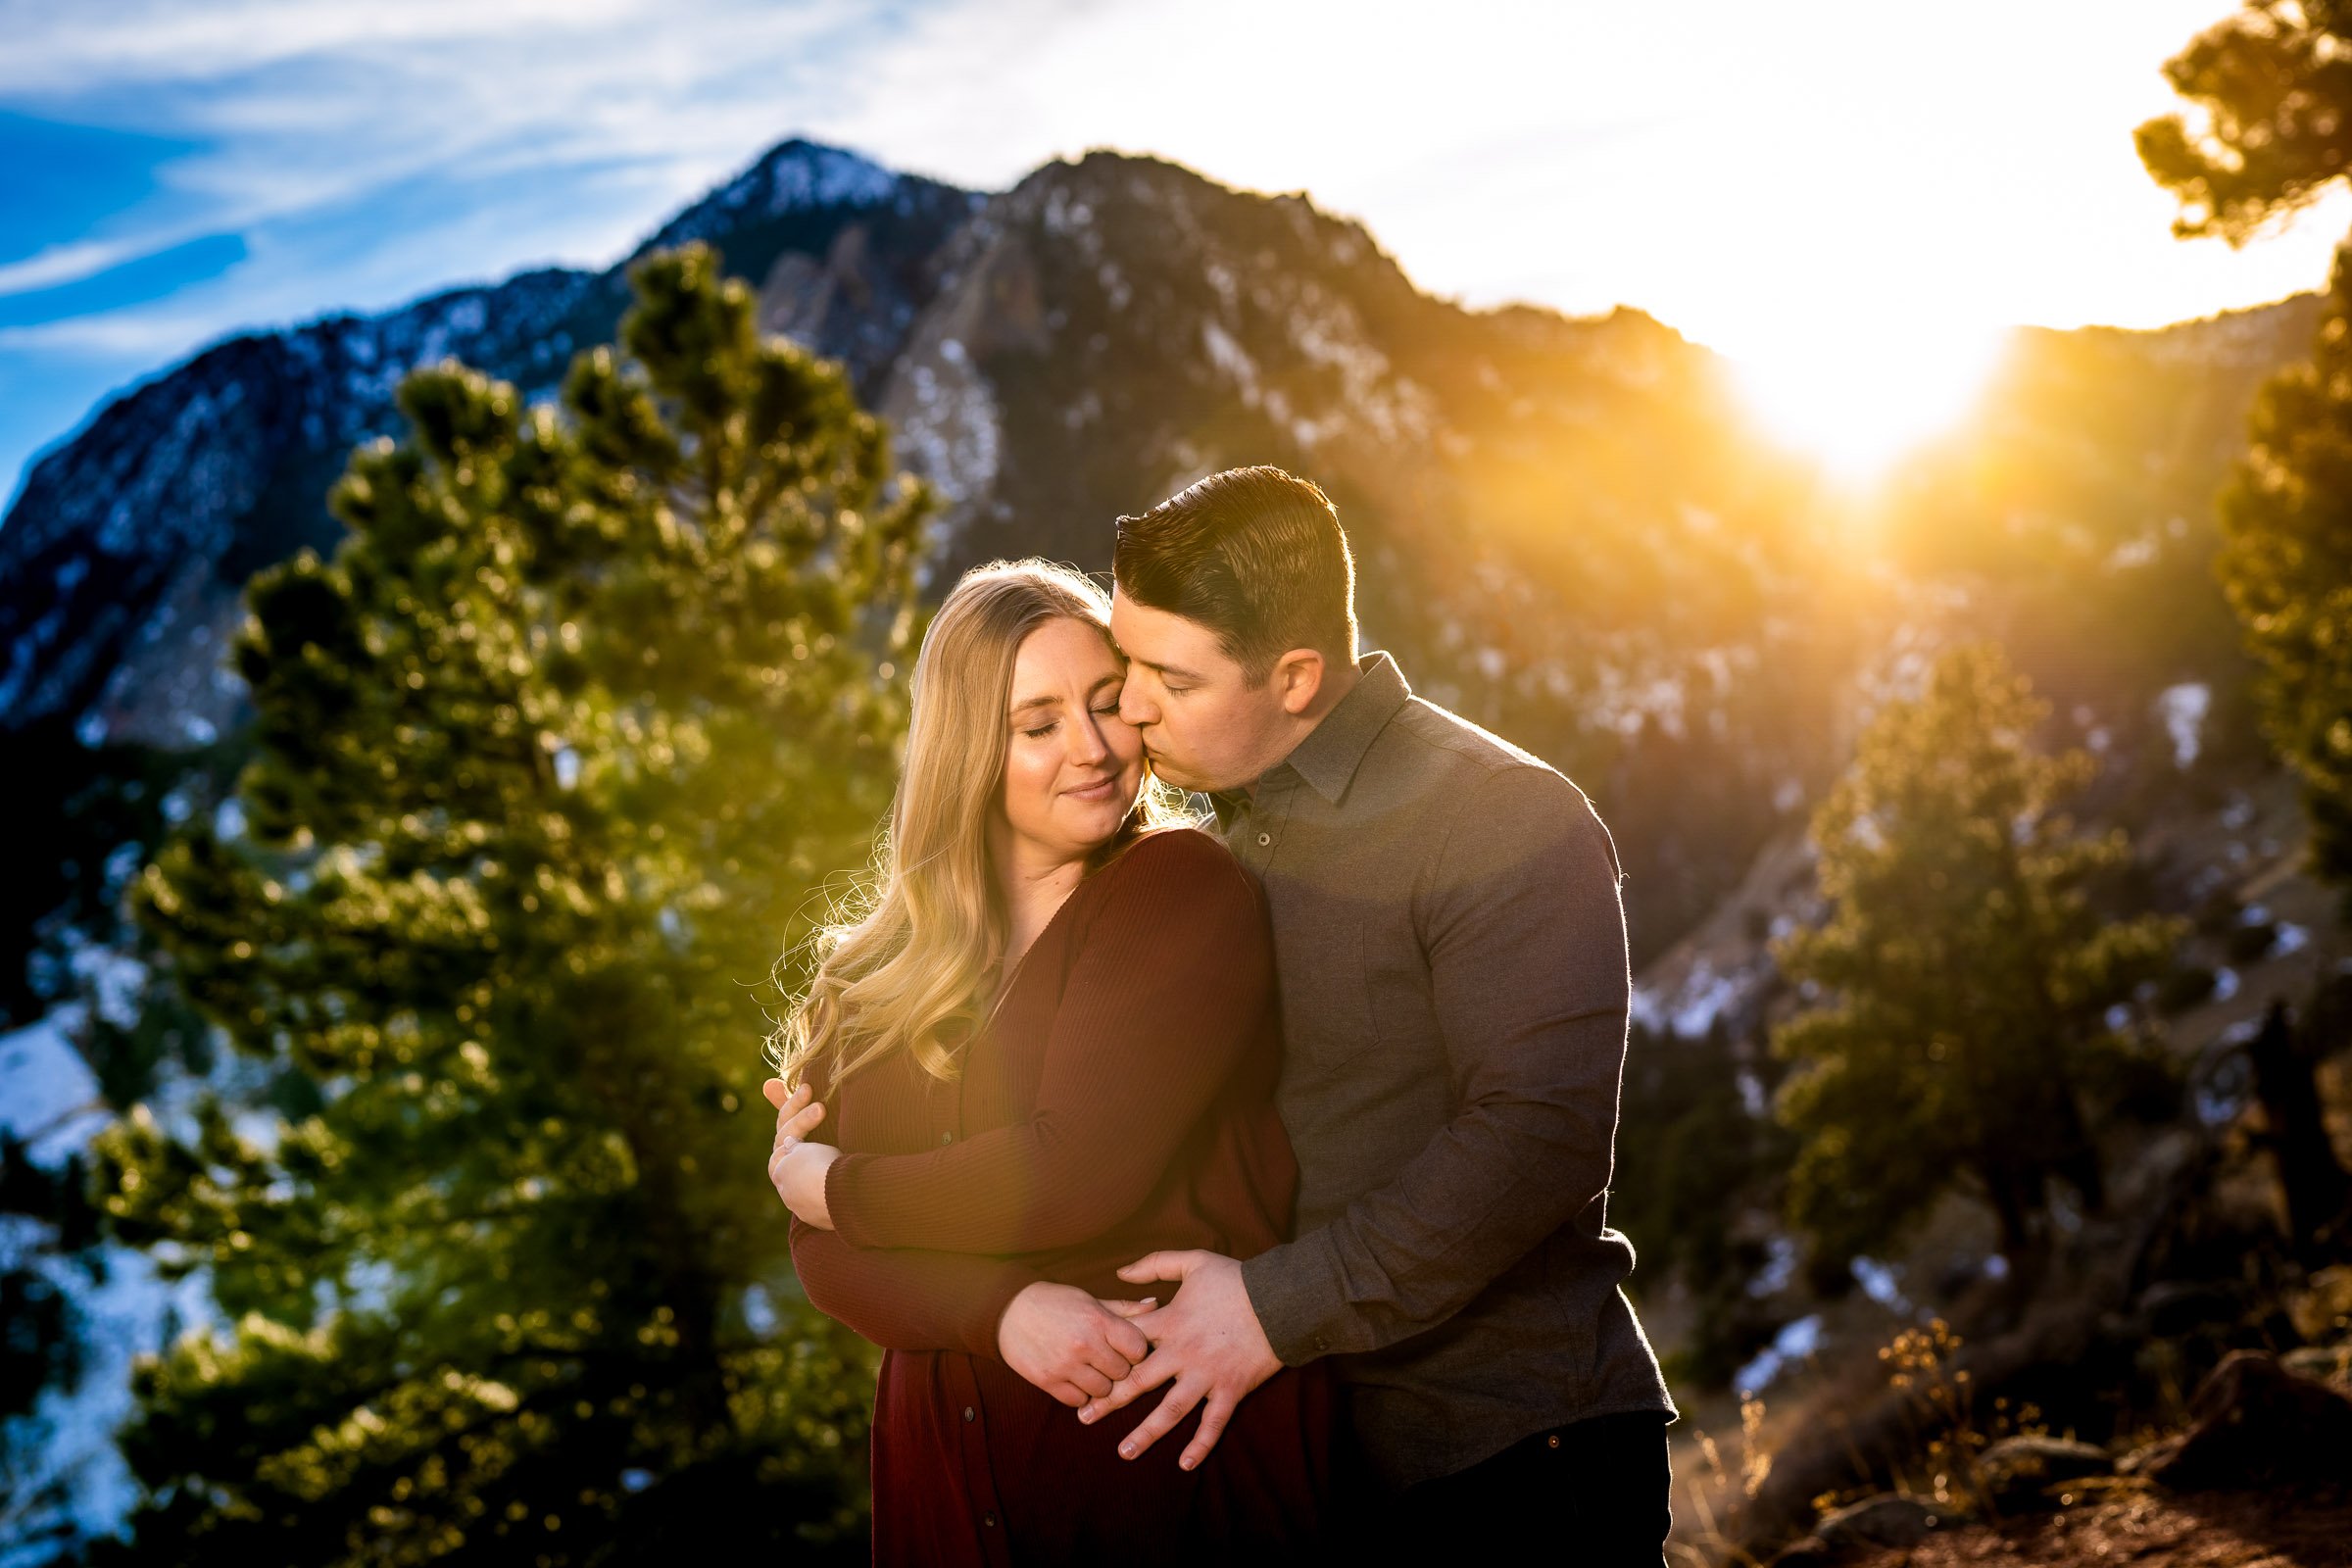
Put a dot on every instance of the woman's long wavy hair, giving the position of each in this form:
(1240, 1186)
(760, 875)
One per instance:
(909, 957)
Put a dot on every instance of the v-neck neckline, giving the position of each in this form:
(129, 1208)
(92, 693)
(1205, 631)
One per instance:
(1022, 964)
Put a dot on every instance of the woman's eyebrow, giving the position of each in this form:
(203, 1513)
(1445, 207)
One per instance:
(1027, 703)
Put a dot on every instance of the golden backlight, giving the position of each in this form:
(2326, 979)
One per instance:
(1859, 398)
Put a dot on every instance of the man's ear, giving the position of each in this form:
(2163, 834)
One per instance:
(1298, 679)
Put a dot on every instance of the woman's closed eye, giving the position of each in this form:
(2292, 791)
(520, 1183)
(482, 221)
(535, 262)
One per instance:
(1046, 730)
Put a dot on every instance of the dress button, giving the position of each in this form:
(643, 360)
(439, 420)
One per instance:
(989, 1519)
(1552, 1441)
(1264, 839)
(970, 1415)
(1322, 1344)
(946, 1139)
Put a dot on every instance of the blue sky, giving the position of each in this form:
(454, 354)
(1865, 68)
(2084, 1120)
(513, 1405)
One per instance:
(178, 172)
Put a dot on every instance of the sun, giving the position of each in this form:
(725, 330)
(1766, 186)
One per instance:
(1858, 395)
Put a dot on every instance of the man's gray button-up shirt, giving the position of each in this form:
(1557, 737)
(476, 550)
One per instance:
(1452, 952)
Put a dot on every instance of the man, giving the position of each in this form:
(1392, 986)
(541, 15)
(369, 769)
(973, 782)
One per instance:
(1451, 958)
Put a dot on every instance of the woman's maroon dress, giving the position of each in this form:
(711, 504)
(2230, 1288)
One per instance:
(1119, 1101)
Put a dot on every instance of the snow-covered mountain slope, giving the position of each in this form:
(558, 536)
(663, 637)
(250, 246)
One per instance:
(121, 559)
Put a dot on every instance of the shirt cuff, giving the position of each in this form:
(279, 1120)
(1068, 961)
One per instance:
(841, 1200)
(988, 1313)
(1294, 1288)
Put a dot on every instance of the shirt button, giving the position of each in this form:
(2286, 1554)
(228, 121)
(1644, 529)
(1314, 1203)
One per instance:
(971, 1415)
(989, 1519)
(947, 1138)
(1552, 1441)
(1264, 839)
(1322, 1344)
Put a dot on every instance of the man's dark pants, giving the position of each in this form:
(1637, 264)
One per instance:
(1593, 1493)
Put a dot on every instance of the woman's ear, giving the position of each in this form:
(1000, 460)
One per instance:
(1298, 677)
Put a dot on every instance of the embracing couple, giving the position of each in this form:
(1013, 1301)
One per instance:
(1223, 1194)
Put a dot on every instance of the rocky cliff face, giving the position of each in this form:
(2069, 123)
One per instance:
(121, 560)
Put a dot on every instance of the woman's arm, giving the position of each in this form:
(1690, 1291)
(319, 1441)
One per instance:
(1057, 1337)
(1170, 989)
(905, 1299)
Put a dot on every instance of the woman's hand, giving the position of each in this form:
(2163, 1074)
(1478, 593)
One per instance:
(796, 1167)
(1070, 1344)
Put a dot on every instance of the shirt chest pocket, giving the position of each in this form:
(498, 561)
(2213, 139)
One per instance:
(1326, 1003)
(1366, 987)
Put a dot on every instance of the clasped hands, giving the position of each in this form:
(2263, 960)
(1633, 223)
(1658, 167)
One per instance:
(1094, 1354)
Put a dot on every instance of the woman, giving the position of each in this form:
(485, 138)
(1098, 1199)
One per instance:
(1047, 1048)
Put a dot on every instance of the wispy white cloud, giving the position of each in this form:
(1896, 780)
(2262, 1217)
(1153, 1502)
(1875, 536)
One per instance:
(64, 263)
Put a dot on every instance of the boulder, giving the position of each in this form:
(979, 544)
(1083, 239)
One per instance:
(1886, 1520)
(2171, 1308)
(2021, 1471)
(2254, 1423)
(2326, 1363)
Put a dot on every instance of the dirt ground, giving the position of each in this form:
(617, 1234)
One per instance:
(2209, 1529)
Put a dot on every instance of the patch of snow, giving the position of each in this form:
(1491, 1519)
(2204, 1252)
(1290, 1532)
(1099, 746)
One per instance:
(1881, 1283)
(68, 1479)
(2292, 938)
(2183, 709)
(1694, 1005)
(48, 1095)
(1779, 1267)
(1751, 1094)
(2225, 984)
(1794, 1343)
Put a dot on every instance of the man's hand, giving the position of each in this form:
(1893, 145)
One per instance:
(1206, 1345)
(1069, 1343)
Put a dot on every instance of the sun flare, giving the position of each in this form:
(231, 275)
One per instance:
(1859, 398)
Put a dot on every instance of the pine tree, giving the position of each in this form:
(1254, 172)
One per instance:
(2273, 86)
(1963, 976)
(551, 757)
(2286, 566)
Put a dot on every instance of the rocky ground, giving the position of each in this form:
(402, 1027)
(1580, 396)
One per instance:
(2203, 1530)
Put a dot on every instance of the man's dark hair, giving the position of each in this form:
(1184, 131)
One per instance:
(1256, 556)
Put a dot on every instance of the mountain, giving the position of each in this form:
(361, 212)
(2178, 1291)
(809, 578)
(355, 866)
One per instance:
(1566, 528)
(121, 560)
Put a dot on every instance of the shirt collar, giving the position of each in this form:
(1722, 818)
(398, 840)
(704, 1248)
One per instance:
(1330, 754)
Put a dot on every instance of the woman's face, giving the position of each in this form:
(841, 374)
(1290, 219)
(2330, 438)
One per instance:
(1072, 768)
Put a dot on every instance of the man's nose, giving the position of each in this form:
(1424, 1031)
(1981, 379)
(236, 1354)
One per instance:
(1134, 709)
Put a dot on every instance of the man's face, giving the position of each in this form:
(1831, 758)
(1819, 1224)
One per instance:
(1205, 727)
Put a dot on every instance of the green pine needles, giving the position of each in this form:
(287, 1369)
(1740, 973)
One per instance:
(1964, 973)
(552, 757)
(2286, 567)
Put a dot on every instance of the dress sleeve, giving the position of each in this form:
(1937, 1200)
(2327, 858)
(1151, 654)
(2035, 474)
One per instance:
(1168, 991)
(906, 1299)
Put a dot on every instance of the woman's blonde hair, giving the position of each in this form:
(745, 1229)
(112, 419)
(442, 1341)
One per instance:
(906, 962)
